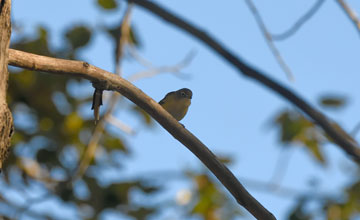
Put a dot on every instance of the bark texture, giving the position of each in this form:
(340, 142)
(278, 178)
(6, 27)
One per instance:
(6, 121)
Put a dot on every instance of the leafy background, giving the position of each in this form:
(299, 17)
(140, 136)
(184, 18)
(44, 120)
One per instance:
(282, 158)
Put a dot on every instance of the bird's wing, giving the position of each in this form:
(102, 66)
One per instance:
(163, 100)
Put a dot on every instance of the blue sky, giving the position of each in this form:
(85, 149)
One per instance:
(229, 113)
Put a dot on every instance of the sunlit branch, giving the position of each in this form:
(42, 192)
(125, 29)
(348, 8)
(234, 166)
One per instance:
(350, 13)
(119, 124)
(109, 81)
(268, 38)
(299, 23)
(350, 147)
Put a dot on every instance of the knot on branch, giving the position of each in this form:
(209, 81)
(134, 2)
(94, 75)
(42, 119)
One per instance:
(86, 64)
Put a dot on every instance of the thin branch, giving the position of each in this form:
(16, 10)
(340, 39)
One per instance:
(114, 82)
(355, 130)
(282, 164)
(350, 13)
(300, 22)
(258, 185)
(100, 126)
(123, 38)
(141, 60)
(156, 70)
(269, 40)
(351, 148)
(119, 124)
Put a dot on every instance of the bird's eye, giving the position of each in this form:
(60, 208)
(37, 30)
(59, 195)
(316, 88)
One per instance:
(183, 94)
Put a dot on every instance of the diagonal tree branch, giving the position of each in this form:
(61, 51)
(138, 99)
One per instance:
(350, 13)
(349, 146)
(114, 82)
(268, 38)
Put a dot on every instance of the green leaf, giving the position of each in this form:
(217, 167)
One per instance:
(78, 36)
(296, 129)
(108, 4)
(114, 143)
(332, 101)
(38, 45)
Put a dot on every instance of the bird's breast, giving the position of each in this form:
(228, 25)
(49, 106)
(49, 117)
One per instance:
(177, 108)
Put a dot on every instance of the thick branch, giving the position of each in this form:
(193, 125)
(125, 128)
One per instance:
(6, 122)
(115, 82)
(350, 147)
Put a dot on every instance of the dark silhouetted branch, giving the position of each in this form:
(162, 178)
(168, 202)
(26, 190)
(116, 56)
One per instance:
(350, 147)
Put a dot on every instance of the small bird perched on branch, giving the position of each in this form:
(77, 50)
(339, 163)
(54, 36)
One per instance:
(177, 103)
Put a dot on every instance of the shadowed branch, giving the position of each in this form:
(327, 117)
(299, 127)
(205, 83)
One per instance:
(342, 140)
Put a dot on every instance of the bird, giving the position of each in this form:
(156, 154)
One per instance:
(177, 103)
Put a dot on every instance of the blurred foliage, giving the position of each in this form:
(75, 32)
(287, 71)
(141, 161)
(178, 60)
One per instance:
(107, 4)
(332, 101)
(348, 208)
(208, 201)
(298, 212)
(52, 134)
(78, 36)
(296, 129)
(115, 33)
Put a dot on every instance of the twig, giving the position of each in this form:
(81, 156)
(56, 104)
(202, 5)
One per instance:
(114, 82)
(355, 130)
(156, 70)
(351, 148)
(119, 124)
(300, 22)
(141, 60)
(350, 13)
(281, 167)
(269, 40)
(123, 38)
(259, 185)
